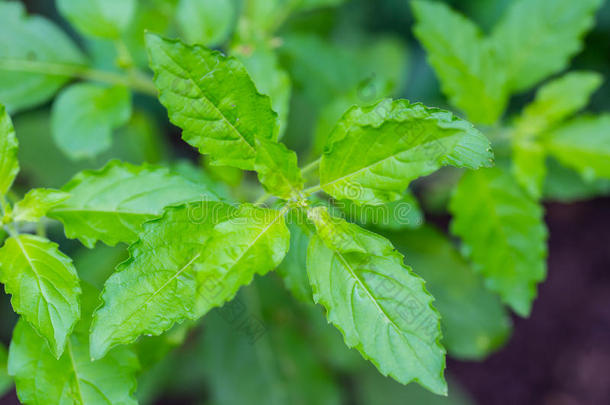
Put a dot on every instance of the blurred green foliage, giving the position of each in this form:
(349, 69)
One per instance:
(315, 58)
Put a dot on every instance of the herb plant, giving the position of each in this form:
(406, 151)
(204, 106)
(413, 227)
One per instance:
(335, 229)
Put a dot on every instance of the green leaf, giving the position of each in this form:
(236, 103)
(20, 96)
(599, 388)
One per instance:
(157, 286)
(270, 79)
(150, 15)
(44, 287)
(219, 250)
(74, 378)
(329, 70)
(375, 152)
(473, 319)
(567, 185)
(9, 164)
(98, 18)
(205, 22)
(537, 38)
(463, 59)
(6, 382)
(254, 241)
(583, 144)
(287, 368)
(503, 233)
(84, 116)
(277, 168)
(111, 204)
(378, 303)
(266, 16)
(36, 203)
(381, 67)
(30, 50)
(404, 213)
(556, 101)
(212, 98)
(529, 166)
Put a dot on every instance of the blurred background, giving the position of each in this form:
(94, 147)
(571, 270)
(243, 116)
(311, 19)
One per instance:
(268, 348)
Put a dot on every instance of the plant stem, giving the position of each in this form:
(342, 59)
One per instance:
(41, 230)
(312, 190)
(13, 232)
(310, 167)
(262, 198)
(137, 82)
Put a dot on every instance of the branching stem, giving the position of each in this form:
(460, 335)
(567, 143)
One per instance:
(135, 81)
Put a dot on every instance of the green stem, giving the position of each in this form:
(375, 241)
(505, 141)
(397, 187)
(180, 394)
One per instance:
(12, 230)
(41, 230)
(135, 81)
(312, 190)
(310, 167)
(2, 208)
(262, 198)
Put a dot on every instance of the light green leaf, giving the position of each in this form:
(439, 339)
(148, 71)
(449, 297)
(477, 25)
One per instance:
(111, 204)
(98, 18)
(254, 241)
(157, 286)
(270, 79)
(463, 59)
(30, 49)
(219, 251)
(378, 303)
(583, 144)
(73, 379)
(44, 287)
(84, 116)
(404, 213)
(36, 203)
(473, 319)
(375, 152)
(503, 233)
(529, 166)
(278, 169)
(9, 164)
(205, 22)
(212, 98)
(6, 382)
(537, 38)
(556, 101)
